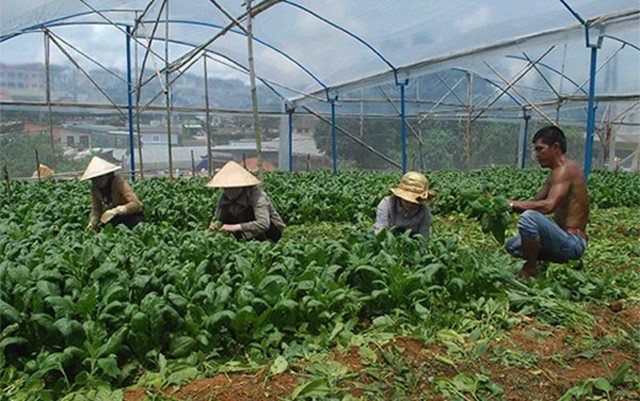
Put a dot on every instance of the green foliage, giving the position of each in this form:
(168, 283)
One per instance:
(83, 311)
(491, 212)
(18, 153)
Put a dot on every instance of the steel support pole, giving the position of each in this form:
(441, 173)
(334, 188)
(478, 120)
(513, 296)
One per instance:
(47, 64)
(207, 116)
(290, 115)
(403, 126)
(525, 139)
(333, 137)
(167, 89)
(130, 107)
(591, 113)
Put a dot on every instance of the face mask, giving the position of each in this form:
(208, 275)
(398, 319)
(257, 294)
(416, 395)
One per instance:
(101, 181)
(233, 193)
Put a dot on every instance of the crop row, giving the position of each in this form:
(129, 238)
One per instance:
(312, 197)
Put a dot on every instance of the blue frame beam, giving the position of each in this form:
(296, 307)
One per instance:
(130, 107)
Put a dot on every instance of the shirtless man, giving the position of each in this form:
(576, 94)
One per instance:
(565, 195)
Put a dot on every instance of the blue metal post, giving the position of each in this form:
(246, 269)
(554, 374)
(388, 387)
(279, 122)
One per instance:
(290, 112)
(403, 127)
(130, 107)
(591, 113)
(333, 136)
(525, 138)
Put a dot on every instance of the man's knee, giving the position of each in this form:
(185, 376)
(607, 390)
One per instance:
(528, 224)
(512, 246)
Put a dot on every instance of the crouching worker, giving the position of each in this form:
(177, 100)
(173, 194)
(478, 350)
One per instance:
(407, 208)
(565, 195)
(112, 191)
(244, 209)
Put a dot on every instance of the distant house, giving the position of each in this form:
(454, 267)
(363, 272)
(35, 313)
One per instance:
(97, 136)
(305, 153)
(74, 139)
(151, 136)
(17, 127)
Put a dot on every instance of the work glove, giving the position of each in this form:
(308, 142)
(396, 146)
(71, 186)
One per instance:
(111, 213)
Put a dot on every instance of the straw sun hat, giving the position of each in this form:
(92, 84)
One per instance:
(233, 175)
(98, 167)
(414, 188)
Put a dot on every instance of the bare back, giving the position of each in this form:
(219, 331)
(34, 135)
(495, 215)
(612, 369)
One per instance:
(572, 209)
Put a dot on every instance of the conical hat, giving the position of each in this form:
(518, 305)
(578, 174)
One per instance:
(233, 175)
(44, 171)
(98, 167)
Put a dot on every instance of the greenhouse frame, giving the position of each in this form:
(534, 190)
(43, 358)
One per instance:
(569, 63)
(333, 200)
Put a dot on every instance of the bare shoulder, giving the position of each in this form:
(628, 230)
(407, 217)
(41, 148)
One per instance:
(567, 171)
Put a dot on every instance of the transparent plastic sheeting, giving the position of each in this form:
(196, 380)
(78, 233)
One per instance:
(341, 46)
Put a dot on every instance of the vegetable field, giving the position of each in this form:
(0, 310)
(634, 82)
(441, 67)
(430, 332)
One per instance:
(169, 310)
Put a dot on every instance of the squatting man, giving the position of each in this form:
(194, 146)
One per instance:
(565, 195)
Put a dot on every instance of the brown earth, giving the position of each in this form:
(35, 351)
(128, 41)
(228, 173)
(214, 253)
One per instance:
(530, 362)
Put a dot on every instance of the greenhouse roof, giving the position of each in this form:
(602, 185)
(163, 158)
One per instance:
(322, 49)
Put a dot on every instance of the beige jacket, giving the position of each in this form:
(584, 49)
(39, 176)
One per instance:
(121, 194)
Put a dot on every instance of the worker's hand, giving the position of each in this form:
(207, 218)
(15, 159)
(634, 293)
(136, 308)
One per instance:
(230, 227)
(92, 226)
(111, 213)
(215, 225)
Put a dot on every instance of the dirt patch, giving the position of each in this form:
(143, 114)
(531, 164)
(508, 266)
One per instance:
(624, 315)
(532, 361)
(229, 387)
(538, 339)
(630, 314)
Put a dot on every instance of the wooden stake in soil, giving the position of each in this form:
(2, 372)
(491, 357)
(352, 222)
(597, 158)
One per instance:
(254, 92)
(6, 177)
(193, 165)
(38, 164)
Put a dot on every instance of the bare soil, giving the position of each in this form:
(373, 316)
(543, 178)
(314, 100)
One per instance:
(555, 359)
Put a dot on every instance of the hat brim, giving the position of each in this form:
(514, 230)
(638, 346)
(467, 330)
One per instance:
(99, 173)
(412, 197)
(233, 175)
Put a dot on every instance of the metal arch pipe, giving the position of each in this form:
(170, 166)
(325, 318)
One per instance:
(57, 22)
(490, 82)
(262, 42)
(622, 41)
(53, 22)
(572, 11)
(349, 33)
(552, 70)
(237, 64)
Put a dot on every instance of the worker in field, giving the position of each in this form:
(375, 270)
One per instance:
(244, 208)
(407, 208)
(111, 192)
(565, 195)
